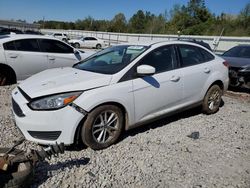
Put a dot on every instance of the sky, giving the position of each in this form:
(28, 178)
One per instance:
(65, 10)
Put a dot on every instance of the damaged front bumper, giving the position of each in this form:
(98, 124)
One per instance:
(239, 76)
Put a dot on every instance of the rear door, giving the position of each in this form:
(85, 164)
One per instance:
(25, 57)
(58, 53)
(196, 68)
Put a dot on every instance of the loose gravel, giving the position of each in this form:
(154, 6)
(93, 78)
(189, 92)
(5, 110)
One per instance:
(161, 154)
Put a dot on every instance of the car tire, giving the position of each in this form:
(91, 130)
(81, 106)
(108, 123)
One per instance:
(20, 177)
(77, 45)
(102, 127)
(98, 46)
(5, 77)
(212, 100)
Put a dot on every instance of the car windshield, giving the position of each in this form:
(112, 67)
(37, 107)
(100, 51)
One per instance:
(111, 60)
(238, 51)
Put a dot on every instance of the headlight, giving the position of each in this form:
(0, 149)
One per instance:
(245, 69)
(54, 102)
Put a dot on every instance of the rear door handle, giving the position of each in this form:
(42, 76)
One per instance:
(207, 70)
(13, 55)
(175, 78)
(51, 58)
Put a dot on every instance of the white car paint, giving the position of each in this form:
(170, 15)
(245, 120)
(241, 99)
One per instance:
(26, 63)
(89, 42)
(143, 98)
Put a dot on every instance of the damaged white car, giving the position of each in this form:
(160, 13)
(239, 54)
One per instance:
(117, 89)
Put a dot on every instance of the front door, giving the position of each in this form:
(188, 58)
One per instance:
(161, 93)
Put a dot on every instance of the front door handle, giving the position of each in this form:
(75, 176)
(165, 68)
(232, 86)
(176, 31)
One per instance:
(175, 78)
(207, 70)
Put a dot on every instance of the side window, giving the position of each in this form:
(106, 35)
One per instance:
(54, 46)
(92, 38)
(87, 38)
(162, 59)
(9, 45)
(190, 55)
(245, 52)
(206, 55)
(29, 45)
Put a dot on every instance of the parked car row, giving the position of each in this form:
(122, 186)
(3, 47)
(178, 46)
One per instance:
(7, 31)
(24, 55)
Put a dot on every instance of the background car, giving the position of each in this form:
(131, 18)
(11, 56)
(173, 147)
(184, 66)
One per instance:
(24, 55)
(62, 36)
(238, 59)
(118, 88)
(6, 31)
(89, 42)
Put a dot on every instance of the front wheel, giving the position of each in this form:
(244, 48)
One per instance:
(212, 100)
(102, 127)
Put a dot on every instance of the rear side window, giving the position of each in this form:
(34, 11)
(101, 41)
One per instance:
(9, 45)
(190, 55)
(30, 45)
(54, 46)
(206, 55)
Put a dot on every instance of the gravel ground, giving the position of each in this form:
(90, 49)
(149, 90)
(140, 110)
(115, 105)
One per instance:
(155, 155)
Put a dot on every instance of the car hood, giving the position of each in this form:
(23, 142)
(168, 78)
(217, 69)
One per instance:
(61, 80)
(237, 62)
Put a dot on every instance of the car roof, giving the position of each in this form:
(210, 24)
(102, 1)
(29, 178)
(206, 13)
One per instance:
(160, 43)
(11, 37)
(244, 45)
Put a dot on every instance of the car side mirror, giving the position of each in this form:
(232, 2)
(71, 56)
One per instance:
(145, 70)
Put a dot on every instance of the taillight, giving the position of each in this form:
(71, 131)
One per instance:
(226, 64)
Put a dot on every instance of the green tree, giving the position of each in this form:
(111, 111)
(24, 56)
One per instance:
(119, 23)
(137, 22)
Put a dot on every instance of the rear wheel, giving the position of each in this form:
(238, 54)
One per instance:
(212, 100)
(98, 46)
(3, 79)
(102, 127)
(77, 45)
(6, 77)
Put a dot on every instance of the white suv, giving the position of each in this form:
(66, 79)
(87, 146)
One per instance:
(118, 88)
(61, 36)
(24, 55)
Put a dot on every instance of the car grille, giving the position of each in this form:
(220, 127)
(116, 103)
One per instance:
(17, 110)
(45, 135)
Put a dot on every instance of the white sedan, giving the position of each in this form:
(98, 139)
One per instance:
(118, 88)
(88, 42)
(24, 55)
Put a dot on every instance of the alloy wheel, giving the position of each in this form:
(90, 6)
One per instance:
(105, 126)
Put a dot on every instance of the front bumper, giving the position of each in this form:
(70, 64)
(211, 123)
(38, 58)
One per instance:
(238, 76)
(45, 127)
